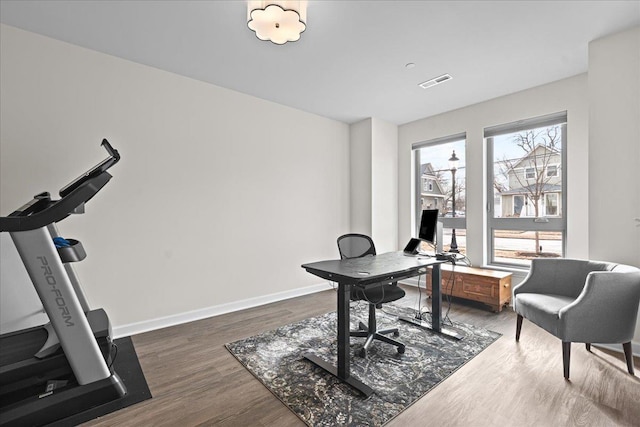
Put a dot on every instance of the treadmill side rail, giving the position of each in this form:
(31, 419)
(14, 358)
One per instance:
(65, 312)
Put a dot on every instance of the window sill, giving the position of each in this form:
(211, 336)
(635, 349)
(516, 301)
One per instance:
(509, 269)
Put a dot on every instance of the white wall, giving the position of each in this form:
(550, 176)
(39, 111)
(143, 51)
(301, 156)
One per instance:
(614, 147)
(360, 169)
(614, 150)
(568, 94)
(384, 203)
(374, 181)
(219, 196)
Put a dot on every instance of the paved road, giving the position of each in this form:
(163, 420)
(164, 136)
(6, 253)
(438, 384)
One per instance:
(507, 244)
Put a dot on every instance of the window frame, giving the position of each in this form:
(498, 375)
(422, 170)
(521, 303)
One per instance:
(530, 171)
(543, 223)
(458, 223)
(522, 204)
(546, 205)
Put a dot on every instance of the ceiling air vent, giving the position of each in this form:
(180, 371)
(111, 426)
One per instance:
(435, 81)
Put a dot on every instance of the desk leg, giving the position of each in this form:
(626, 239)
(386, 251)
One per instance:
(342, 371)
(344, 362)
(436, 298)
(436, 306)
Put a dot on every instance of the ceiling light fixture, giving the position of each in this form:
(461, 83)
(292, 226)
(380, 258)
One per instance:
(277, 21)
(435, 81)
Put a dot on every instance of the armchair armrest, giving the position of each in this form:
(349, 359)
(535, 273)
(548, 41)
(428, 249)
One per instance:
(605, 311)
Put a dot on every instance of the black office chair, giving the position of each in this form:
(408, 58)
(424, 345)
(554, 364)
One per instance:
(356, 246)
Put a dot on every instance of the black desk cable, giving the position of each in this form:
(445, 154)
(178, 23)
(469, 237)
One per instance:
(419, 313)
(447, 289)
(114, 355)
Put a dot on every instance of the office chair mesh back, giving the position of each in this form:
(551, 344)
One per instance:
(355, 246)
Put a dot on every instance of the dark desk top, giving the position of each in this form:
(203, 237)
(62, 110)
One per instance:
(391, 266)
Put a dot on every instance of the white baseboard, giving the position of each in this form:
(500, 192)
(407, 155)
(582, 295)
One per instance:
(216, 310)
(635, 347)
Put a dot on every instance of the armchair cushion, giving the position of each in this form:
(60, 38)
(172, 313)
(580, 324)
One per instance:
(543, 309)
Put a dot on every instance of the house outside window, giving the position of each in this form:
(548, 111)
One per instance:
(551, 204)
(435, 189)
(530, 173)
(525, 172)
(518, 204)
(428, 184)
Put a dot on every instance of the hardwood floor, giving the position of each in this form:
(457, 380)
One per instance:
(195, 381)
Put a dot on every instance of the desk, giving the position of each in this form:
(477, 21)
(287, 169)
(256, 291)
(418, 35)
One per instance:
(371, 270)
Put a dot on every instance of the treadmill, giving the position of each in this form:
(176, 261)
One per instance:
(65, 367)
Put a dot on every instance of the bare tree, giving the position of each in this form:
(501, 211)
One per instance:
(531, 173)
(444, 177)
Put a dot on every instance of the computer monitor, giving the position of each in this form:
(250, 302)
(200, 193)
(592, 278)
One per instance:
(428, 225)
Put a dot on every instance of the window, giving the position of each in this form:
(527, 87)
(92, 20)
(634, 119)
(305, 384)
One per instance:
(518, 204)
(551, 204)
(442, 186)
(530, 173)
(527, 190)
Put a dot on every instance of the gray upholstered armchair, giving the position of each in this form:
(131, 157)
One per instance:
(581, 301)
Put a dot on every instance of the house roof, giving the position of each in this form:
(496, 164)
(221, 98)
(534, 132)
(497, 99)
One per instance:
(533, 153)
(427, 169)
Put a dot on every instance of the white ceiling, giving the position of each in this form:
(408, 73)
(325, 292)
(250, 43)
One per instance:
(350, 62)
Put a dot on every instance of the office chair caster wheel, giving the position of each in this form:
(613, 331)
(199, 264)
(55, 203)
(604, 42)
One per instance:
(362, 352)
(401, 350)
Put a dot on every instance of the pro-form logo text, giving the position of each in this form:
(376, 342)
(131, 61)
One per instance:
(51, 281)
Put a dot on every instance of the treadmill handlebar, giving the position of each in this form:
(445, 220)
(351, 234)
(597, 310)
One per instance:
(42, 211)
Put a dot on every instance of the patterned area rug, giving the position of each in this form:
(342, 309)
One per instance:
(320, 399)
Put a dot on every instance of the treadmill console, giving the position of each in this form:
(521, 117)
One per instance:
(113, 158)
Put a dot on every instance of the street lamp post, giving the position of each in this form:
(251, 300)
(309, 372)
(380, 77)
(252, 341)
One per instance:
(453, 166)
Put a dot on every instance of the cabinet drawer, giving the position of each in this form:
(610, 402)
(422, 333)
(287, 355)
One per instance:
(475, 288)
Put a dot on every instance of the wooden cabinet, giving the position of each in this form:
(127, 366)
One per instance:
(490, 287)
